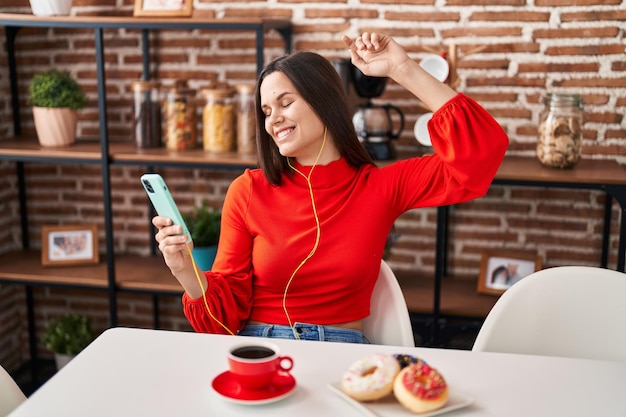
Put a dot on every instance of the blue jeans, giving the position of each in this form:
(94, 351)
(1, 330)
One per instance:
(305, 332)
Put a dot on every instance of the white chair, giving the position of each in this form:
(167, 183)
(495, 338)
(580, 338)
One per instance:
(389, 322)
(571, 311)
(10, 393)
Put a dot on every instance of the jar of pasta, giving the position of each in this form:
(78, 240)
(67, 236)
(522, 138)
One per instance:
(218, 120)
(246, 125)
(560, 131)
(146, 114)
(180, 117)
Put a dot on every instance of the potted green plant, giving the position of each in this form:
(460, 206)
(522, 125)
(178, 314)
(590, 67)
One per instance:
(67, 335)
(56, 97)
(203, 223)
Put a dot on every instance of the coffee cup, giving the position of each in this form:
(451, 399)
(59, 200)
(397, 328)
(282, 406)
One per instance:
(254, 365)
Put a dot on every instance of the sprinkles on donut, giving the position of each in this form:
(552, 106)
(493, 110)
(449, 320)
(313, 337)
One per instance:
(420, 388)
(371, 377)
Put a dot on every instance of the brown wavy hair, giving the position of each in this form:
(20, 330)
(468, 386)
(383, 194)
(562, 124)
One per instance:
(317, 81)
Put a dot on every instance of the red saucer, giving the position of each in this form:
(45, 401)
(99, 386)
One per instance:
(281, 386)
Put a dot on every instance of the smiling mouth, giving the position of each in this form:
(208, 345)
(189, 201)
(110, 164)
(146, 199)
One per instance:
(284, 133)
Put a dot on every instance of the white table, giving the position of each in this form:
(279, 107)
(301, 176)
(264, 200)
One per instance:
(133, 372)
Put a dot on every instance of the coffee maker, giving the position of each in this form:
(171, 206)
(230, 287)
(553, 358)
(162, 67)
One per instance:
(373, 123)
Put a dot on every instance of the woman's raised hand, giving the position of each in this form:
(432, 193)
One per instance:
(379, 55)
(375, 54)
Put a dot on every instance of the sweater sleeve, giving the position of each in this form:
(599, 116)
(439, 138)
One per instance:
(229, 291)
(469, 142)
(469, 147)
(226, 303)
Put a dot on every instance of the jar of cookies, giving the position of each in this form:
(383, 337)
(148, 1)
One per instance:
(146, 114)
(218, 120)
(560, 131)
(180, 117)
(246, 125)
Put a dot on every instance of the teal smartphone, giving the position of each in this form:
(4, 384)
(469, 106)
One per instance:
(163, 201)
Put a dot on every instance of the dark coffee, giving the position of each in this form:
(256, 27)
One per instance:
(253, 352)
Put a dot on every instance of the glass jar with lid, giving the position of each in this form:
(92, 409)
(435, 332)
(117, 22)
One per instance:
(560, 131)
(246, 125)
(180, 117)
(146, 114)
(218, 120)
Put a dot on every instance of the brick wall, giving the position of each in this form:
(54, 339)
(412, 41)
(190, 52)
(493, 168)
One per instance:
(521, 49)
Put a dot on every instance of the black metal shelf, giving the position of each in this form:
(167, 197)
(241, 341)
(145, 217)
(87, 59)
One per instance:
(99, 152)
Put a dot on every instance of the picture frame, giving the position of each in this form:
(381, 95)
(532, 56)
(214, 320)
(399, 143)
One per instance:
(163, 8)
(499, 270)
(65, 245)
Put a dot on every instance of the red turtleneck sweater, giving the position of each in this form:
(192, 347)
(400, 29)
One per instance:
(267, 231)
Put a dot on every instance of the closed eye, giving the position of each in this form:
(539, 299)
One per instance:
(284, 103)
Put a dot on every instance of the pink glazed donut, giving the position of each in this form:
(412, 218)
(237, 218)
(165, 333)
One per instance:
(420, 388)
(371, 377)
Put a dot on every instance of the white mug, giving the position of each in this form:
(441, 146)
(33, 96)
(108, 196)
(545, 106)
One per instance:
(421, 129)
(436, 65)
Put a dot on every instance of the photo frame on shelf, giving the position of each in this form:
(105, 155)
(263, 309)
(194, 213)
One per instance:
(163, 8)
(69, 245)
(501, 269)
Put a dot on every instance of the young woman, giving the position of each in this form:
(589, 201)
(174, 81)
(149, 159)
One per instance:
(303, 236)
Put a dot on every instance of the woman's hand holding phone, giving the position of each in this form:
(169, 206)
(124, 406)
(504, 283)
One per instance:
(173, 236)
(172, 243)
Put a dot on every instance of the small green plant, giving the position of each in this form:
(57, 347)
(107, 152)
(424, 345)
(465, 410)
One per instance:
(68, 334)
(55, 89)
(203, 223)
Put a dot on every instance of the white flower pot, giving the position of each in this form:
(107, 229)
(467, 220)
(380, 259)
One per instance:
(55, 127)
(61, 360)
(51, 7)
